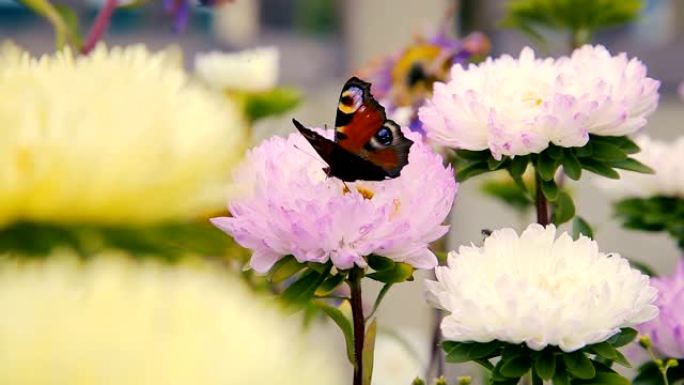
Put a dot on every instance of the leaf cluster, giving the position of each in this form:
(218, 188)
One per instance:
(653, 214)
(589, 365)
(602, 155)
(306, 281)
(571, 15)
(169, 241)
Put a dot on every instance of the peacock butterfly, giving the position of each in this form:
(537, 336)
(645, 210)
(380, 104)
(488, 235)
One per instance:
(367, 145)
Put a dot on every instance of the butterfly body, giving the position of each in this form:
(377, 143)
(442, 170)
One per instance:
(367, 145)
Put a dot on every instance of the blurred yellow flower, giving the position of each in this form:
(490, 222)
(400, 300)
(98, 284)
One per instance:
(114, 321)
(120, 136)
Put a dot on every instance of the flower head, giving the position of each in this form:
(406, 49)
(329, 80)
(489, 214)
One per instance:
(291, 207)
(249, 70)
(115, 321)
(540, 290)
(517, 106)
(666, 158)
(120, 136)
(667, 330)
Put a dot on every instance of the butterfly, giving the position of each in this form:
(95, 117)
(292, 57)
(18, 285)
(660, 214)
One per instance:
(367, 145)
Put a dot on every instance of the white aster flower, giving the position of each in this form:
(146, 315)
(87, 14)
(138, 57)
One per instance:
(666, 158)
(539, 290)
(114, 321)
(517, 106)
(121, 135)
(249, 70)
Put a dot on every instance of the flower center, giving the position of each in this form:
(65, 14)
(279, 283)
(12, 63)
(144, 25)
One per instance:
(365, 193)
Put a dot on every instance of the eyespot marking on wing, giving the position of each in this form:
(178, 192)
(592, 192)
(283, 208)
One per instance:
(351, 100)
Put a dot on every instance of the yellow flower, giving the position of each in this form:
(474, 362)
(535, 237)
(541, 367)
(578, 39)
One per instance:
(120, 136)
(113, 321)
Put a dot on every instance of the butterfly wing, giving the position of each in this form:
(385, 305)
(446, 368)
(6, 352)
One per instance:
(342, 164)
(362, 128)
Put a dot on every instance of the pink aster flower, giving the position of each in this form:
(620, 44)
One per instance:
(517, 106)
(667, 330)
(289, 206)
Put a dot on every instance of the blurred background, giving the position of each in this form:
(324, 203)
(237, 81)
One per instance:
(322, 42)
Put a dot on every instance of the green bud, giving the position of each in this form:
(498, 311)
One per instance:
(441, 381)
(465, 380)
(418, 381)
(645, 342)
(672, 363)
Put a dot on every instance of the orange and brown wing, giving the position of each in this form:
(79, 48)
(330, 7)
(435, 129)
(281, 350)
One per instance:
(359, 115)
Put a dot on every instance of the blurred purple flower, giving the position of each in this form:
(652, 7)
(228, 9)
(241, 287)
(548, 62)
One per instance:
(667, 330)
(289, 206)
(180, 10)
(405, 78)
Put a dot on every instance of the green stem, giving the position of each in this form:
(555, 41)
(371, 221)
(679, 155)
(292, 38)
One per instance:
(358, 321)
(659, 363)
(540, 202)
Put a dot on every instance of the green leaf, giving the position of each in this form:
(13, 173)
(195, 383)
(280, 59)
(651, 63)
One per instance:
(473, 155)
(285, 268)
(508, 192)
(581, 227)
(607, 152)
(456, 352)
(546, 166)
(625, 336)
(561, 377)
(471, 170)
(71, 22)
(622, 360)
(550, 190)
(381, 295)
(563, 208)
(45, 9)
(627, 145)
(518, 165)
(545, 364)
(495, 164)
(399, 273)
(584, 151)
(605, 378)
(330, 284)
(632, 164)
(368, 351)
(277, 101)
(604, 349)
(516, 367)
(343, 323)
(555, 152)
(302, 290)
(579, 365)
(599, 168)
(479, 351)
(571, 166)
(380, 263)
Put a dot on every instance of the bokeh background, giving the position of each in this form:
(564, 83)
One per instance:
(322, 42)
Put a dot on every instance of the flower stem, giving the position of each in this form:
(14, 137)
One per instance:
(358, 322)
(540, 202)
(436, 354)
(99, 26)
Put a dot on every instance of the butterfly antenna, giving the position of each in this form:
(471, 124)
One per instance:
(311, 155)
